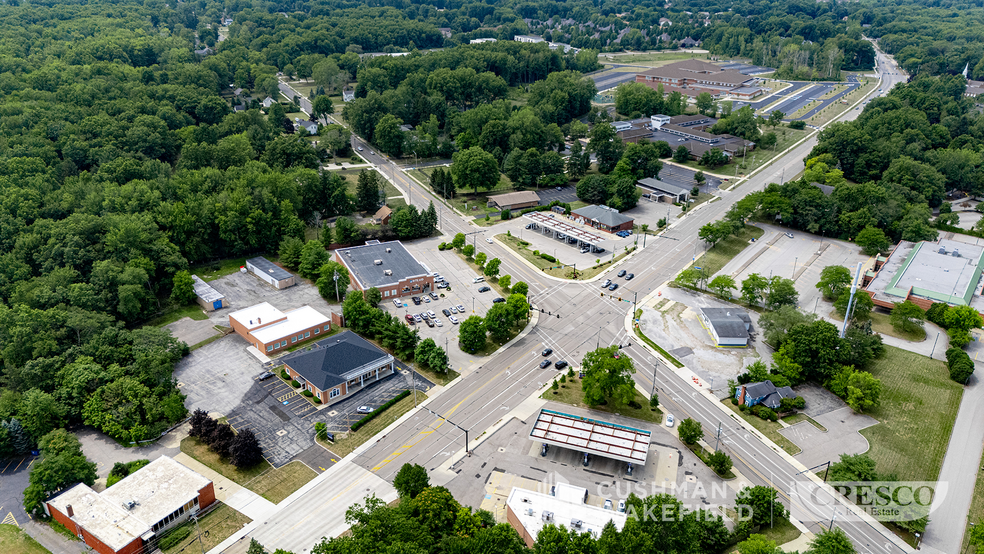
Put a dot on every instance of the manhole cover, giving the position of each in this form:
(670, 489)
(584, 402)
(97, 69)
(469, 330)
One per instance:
(502, 450)
(333, 413)
(180, 384)
(281, 432)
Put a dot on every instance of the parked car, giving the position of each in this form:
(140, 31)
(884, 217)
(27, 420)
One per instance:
(629, 276)
(445, 312)
(484, 289)
(621, 273)
(453, 319)
(544, 448)
(430, 322)
(427, 300)
(417, 318)
(585, 250)
(561, 364)
(478, 279)
(438, 322)
(434, 295)
(586, 460)
(608, 504)
(669, 420)
(454, 309)
(544, 364)
(621, 506)
(416, 300)
(424, 316)
(397, 303)
(264, 376)
(409, 319)
(364, 410)
(461, 309)
(498, 300)
(431, 314)
(547, 351)
(613, 286)
(790, 235)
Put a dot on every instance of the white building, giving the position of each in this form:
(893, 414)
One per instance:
(528, 38)
(530, 511)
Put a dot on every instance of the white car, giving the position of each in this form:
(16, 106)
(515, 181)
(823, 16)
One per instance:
(427, 299)
(488, 240)
(438, 322)
(453, 319)
(461, 309)
(431, 314)
(364, 410)
(669, 420)
(453, 310)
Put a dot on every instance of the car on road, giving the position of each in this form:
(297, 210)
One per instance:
(416, 300)
(453, 319)
(264, 376)
(371, 153)
(790, 235)
(606, 283)
(669, 420)
(461, 309)
(546, 352)
(629, 276)
(498, 300)
(445, 312)
(364, 410)
(613, 286)
(488, 240)
(484, 289)
(431, 314)
(621, 273)
(544, 364)
(360, 149)
(561, 364)
(608, 504)
(409, 319)
(417, 318)
(434, 295)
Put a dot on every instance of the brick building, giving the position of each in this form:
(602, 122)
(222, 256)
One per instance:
(387, 266)
(270, 330)
(340, 366)
(130, 516)
(692, 77)
(602, 217)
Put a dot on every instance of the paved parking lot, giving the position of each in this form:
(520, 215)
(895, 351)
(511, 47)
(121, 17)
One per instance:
(841, 436)
(217, 376)
(14, 473)
(192, 332)
(244, 289)
(565, 194)
(565, 252)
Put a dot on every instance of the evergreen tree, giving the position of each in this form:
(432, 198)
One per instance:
(20, 443)
(367, 192)
(326, 236)
(245, 449)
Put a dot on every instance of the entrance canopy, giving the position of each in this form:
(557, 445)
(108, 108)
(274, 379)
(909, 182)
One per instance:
(601, 438)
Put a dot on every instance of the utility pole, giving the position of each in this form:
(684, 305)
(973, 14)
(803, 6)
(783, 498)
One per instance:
(456, 425)
(850, 301)
(718, 441)
(199, 529)
(635, 303)
(335, 278)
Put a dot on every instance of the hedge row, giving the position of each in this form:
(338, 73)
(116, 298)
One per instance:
(369, 417)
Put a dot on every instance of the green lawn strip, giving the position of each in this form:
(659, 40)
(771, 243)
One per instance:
(974, 516)
(13, 540)
(658, 58)
(658, 348)
(705, 456)
(721, 253)
(467, 201)
(351, 177)
(797, 418)
(215, 270)
(353, 439)
(552, 268)
(882, 323)
(782, 531)
(278, 484)
(835, 110)
(767, 428)
(918, 406)
(570, 393)
(194, 311)
(219, 523)
(209, 340)
(438, 378)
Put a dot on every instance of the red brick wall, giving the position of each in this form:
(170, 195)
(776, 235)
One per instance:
(262, 347)
(133, 548)
(206, 496)
(63, 519)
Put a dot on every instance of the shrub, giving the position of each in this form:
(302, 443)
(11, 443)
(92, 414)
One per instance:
(563, 378)
(766, 413)
(549, 258)
(307, 393)
(295, 384)
(536, 252)
(317, 400)
(174, 537)
(799, 125)
(284, 375)
(321, 430)
(369, 417)
(734, 401)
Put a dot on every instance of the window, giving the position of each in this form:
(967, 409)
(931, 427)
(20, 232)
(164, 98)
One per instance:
(326, 328)
(386, 293)
(270, 348)
(293, 339)
(334, 393)
(307, 334)
(317, 330)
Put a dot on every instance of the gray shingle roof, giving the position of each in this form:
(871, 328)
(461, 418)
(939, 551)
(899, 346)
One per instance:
(602, 214)
(327, 365)
(728, 322)
(663, 186)
(772, 395)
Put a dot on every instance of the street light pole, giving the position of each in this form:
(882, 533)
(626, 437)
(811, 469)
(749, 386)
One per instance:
(335, 278)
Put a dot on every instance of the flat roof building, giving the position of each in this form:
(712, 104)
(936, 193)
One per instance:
(515, 200)
(340, 366)
(699, 76)
(270, 272)
(728, 326)
(206, 296)
(602, 217)
(926, 272)
(530, 511)
(124, 518)
(387, 266)
(271, 330)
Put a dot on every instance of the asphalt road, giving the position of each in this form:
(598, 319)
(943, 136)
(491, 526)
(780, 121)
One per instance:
(574, 319)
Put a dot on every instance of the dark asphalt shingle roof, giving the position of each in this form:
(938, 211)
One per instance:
(663, 186)
(770, 394)
(728, 322)
(326, 366)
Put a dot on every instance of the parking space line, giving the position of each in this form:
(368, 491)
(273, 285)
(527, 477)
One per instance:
(286, 396)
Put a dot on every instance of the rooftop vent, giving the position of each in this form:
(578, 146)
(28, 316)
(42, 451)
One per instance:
(388, 250)
(576, 523)
(130, 504)
(546, 516)
(378, 262)
(942, 250)
(956, 253)
(529, 511)
(387, 272)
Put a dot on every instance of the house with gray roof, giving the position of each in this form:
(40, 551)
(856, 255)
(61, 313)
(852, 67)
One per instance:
(663, 191)
(387, 266)
(339, 367)
(728, 326)
(764, 393)
(602, 217)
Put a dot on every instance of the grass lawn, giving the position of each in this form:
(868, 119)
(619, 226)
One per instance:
(721, 253)
(351, 177)
(881, 323)
(467, 201)
(705, 456)
(220, 523)
(571, 393)
(277, 484)
(194, 311)
(61, 530)
(782, 532)
(221, 268)
(438, 378)
(353, 439)
(13, 540)
(767, 428)
(918, 406)
(976, 509)
(760, 157)
(653, 59)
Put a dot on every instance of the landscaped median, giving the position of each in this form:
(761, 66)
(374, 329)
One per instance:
(347, 443)
(553, 267)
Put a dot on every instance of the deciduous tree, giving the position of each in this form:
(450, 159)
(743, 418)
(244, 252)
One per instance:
(327, 281)
(410, 481)
(607, 376)
(690, 431)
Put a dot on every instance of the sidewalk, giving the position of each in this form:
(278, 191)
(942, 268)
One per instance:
(235, 496)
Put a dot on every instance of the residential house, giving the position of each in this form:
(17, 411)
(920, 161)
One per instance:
(764, 393)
